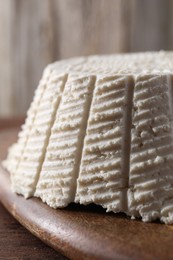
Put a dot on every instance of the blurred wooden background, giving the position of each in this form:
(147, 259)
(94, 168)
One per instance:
(34, 33)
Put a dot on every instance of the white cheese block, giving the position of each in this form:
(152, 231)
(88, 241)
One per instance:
(100, 131)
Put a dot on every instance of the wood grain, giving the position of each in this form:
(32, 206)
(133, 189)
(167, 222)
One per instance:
(18, 243)
(36, 32)
(81, 232)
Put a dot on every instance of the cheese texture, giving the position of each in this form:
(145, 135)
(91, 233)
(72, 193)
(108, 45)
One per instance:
(100, 130)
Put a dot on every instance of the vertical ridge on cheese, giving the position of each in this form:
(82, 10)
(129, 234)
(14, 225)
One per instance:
(16, 151)
(57, 182)
(167, 205)
(102, 177)
(151, 164)
(27, 173)
(126, 142)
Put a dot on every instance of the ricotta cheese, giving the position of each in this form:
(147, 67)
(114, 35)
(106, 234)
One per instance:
(100, 130)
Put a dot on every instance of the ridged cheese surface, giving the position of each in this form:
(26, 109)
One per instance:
(27, 173)
(57, 183)
(100, 130)
(101, 176)
(151, 162)
(16, 151)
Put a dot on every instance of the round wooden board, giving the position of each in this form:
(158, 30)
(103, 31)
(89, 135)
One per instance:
(81, 232)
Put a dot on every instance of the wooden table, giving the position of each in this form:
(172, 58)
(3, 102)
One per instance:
(15, 241)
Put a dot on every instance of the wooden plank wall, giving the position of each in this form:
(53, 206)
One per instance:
(34, 33)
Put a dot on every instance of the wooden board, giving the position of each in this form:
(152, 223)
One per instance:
(17, 243)
(81, 232)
